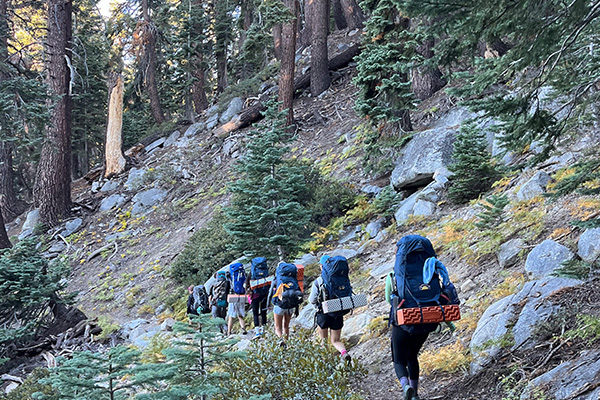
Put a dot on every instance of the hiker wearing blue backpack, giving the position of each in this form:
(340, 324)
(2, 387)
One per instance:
(258, 284)
(333, 283)
(286, 296)
(237, 282)
(415, 283)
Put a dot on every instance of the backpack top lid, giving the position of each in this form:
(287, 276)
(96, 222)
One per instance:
(411, 254)
(258, 260)
(236, 267)
(286, 270)
(335, 277)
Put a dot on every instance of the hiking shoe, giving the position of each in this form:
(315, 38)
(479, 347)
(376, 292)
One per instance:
(244, 332)
(347, 357)
(409, 393)
(282, 344)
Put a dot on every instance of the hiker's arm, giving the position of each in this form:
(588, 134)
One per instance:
(313, 298)
(271, 292)
(388, 288)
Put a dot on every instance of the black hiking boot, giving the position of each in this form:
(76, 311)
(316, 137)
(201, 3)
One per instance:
(409, 393)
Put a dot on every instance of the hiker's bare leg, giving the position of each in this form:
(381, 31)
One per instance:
(323, 333)
(242, 323)
(286, 324)
(278, 323)
(229, 325)
(336, 340)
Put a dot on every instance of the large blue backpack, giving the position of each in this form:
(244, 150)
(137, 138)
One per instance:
(259, 270)
(238, 278)
(287, 274)
(411, 254)
(336, 283)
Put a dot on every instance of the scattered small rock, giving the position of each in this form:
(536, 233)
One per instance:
(71, 227)
(157, 143)
(172, 138)
(534, 186)
(589, 245)
(508, 254)
(113, 201)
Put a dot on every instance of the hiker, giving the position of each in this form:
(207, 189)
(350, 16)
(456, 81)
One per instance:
(259, 273)
(190, 302)
(218, 298)
(286, 296)
(405, 288)
(237, 276)
(197, 301)
(333, 322)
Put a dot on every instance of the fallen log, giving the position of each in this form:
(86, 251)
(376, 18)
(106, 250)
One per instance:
(254, 113)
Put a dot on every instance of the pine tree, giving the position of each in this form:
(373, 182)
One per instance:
(493, 207)
(474, 169)
(266, 213)
(29, 287)
(197, 363)
(384, 65)
(540, 52)
(112, 375)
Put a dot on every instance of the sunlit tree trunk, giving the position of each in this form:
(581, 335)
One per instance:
(115, 162)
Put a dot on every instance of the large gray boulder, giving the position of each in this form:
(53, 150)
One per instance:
(110, 202)
(508, 253)
(348, 253)
(109, 186)
(374, 227)
(422, 156)
(573, 380)
(306, 259)
(306, 317)
(212, 121)
(157, 143)
(546, 258)
(406, 208)
(135, 178)
(146, 199)
(589, 245)
(382, 270)
(235, 106)
(424, 208)
(173, 137)
(355, 327)
(535, 186)
(33, 218)
(194, 129)
(71, 227)
(497, 323)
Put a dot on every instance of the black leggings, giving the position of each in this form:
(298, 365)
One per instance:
(259, 307)
(405, 351)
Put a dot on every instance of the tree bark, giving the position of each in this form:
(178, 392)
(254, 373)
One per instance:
(289, 31)
(197, 65)
(254, 113)
(221, 42)
(319, 68)
(115, 162)
(52, 189)
(4, 241)
(338, 15)
(425, 80)
(352, 14)
(306, 32)
(151, 58)
(277, 41)
(10, 206)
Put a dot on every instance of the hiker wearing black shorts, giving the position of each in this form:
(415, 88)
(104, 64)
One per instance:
(327, 322)
(407, 340)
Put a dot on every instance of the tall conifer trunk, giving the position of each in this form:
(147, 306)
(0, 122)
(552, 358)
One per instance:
(221, 43)
(197, 64)
(52, 189)
(338, 15)
(352, 14)
(277, 38)
(4, 241)
(289, 31)
(319, 69)
(152, 64)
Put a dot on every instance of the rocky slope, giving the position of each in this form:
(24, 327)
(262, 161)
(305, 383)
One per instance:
(128, 230)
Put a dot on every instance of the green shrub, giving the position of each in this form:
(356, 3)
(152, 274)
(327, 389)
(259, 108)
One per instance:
(108, 326)
(305, 369)
(33, 385)
(206, 251)
(493, 207)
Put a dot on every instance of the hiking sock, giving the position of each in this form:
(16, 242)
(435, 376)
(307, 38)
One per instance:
(414, 383)
(403, 382)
